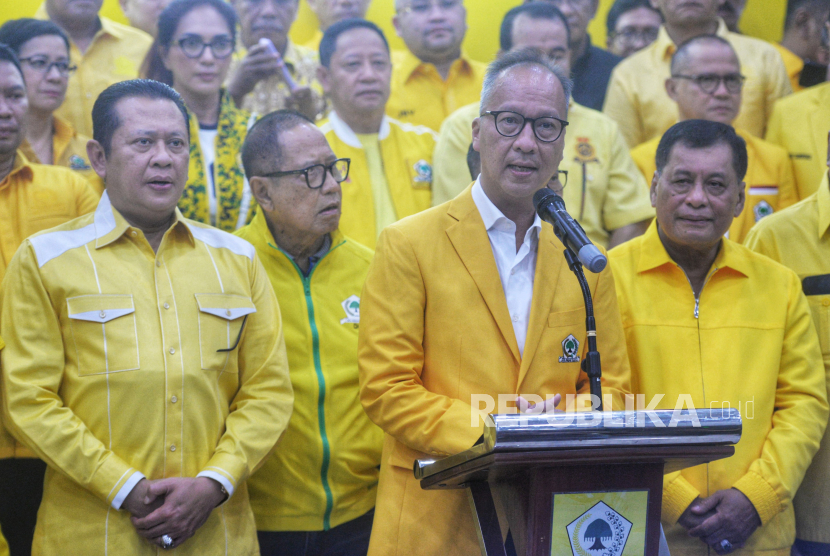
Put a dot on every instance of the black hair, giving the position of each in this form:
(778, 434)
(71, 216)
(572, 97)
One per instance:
(682, 50)
(328, 44)
(622, 6)
(169, 19)
(702, 134)
(813, 6)
(17, 32)
(8, 55)
(534, 10)
(261, 151)
(473, 161)
(105, 120)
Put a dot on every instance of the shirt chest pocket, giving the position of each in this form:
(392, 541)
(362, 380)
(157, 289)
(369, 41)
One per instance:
(104, 332)
(222, 319)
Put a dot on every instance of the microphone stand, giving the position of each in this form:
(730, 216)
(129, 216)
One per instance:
(591, 364)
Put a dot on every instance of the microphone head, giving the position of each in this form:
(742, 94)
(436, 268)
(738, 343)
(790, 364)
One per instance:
(592, 258)
(542, 196)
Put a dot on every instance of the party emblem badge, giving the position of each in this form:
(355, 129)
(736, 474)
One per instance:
(423, 171)
(352, 307)
(585, 151)
(599, 531)
(762, 209)
(570, 350)
(78, 163)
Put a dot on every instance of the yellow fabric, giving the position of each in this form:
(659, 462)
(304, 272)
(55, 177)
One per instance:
(638, 102)
(288, 493)
(793, 63)
(150, 393)
(270, 94)
(406, 152)
(384, 208)
(753, 348)
(595, 156)
(435, 329)
(419, 94)
(770, 184)
(800, 123)
(4, 546)
(229, 178)
(115, 55)
(797, 238)
(313, 43)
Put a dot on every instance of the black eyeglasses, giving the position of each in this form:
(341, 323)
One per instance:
(630, 34)
(42, 65)
(709, 82)
(509, 124)
(193, 46)
(315, 176)
(562, 180)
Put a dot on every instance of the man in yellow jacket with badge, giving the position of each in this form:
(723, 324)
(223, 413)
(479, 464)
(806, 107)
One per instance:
(709, 320)
(391, 172)
(706, 84)
(474, 297)
(315, 495)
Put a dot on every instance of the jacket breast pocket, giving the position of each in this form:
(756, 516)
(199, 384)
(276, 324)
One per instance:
(104, 332)
(221, 321)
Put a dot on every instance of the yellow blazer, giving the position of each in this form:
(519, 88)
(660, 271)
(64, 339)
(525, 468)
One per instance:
(435, 330)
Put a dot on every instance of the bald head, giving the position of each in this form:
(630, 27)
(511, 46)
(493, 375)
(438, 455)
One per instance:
(698, 47)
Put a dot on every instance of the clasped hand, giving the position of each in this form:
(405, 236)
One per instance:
(726, 515)
(174, 507)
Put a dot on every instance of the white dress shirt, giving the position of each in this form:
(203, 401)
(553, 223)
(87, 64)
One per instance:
(516, 270)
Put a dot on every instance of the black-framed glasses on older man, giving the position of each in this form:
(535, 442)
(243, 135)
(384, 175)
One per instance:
(509, 124)
(709, 82)
(315, 175)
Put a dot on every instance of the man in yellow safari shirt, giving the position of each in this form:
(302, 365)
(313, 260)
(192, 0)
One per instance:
(797, 238)
(432, 78)
(161, 380)
(605, 192)
(316, 494)
(706, 84)
(391, 172)
(710, 322)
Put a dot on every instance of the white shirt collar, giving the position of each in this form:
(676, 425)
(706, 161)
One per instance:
(345, 133)
(494, 218)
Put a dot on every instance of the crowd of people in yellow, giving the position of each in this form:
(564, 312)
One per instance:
(247, 282)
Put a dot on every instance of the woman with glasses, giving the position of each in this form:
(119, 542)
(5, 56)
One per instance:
(192, 54)
(43, 50)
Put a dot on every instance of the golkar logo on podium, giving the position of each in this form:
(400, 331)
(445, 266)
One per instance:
(600, 531)
(570, 350)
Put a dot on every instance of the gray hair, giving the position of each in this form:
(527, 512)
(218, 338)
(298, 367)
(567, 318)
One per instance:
(522, 57)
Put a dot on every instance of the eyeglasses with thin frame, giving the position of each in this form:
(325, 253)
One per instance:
(41, 64)
(509, 124)
(709, 82)
(424, 7)
(630, 34)
(315, 175)
(193, 46)
(564, 182)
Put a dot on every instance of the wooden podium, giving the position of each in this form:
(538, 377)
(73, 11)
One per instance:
(582, 484)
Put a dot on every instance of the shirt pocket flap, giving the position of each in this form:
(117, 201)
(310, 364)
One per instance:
(99, 308)
(225, 306)
(573, 317)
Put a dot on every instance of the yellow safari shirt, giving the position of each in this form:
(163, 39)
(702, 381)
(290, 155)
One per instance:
(798, 238)
(770, 184)
(604, 191)
(116, 54)
(793, 63)
(800, 123)
(69, 151)
(325, 471)
(420, 96)
(121, 363)
(748, 343)
(638, 102)
(4, 546)
(406, 151)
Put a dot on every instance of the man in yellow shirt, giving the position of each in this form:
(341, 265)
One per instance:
(432, 78)
(104, 51)
(391, 172)
(710, 321)
(637, 98)
(257, 80)
(803, 41)
(161, 380)
(605, 192)
(329, 12)
(706, 84)
(474, 297)
(315, 496)
(797, 238)
(32, 198)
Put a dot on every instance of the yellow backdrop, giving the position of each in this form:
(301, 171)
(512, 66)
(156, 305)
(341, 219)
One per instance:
(763, 18)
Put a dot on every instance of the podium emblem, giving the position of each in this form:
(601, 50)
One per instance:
(570, 350)
(600, 531)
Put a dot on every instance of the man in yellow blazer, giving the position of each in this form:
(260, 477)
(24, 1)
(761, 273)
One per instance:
(474, 297)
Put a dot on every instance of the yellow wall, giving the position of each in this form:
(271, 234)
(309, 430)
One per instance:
(763, 18)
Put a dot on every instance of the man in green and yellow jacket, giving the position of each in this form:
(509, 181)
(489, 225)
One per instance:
(316, 494)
